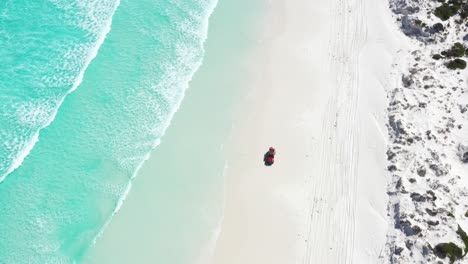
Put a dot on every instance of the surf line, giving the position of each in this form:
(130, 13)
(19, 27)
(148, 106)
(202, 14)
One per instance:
(22, 154)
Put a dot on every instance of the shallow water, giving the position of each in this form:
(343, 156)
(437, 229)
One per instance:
(46, 46)
(175, 206)
(55, 204)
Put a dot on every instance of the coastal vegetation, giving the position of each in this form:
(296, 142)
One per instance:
(449, 9)
(463, 237)
(456, 64)
(457, 50)
(451, 250)
(418, 218)
(437, 57)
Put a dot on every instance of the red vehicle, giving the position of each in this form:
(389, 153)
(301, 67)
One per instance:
(270, 157)
(270, 160)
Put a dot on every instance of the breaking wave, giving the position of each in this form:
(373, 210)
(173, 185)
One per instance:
(77, 175)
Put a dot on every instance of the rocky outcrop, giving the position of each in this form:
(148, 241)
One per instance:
(428, 136)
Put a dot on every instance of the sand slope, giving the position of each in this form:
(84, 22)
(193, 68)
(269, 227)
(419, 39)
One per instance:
(316, 94)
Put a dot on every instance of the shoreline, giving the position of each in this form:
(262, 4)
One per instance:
(156, 142)
(151, 223)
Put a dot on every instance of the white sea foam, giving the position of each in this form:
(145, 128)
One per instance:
(184, 84)
(26, 149)
(21, 155)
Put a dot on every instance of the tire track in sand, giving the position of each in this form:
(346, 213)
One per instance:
(330, 234)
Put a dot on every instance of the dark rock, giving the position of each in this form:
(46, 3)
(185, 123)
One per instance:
(407, 81)
(390, 155)
(392, 168)
(402, 7)
(396, 215)
(428, 134)
(463, 110)
(396, 125)
(431, 212)
(412, 180)
(432, 195)
(437, 27)
(408, 229)
(432, 223)
(398, 251)
(421, 172)
(417, 197)
(398, 184)
(463, 153)
(412, 28)
(446, 189)
(437, 170)
(465, 157)
(409, 244)
(425, 250)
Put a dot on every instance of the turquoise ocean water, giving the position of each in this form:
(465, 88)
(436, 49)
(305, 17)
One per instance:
(66, 159)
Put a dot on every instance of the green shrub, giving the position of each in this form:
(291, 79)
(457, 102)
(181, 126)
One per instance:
(457, 50)
(456, 64)
(437, 57)
(445, 11)
(450, 250)
(463, 237)
(456, 3)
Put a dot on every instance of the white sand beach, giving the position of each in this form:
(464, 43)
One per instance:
(317, 93)
(310, 80)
